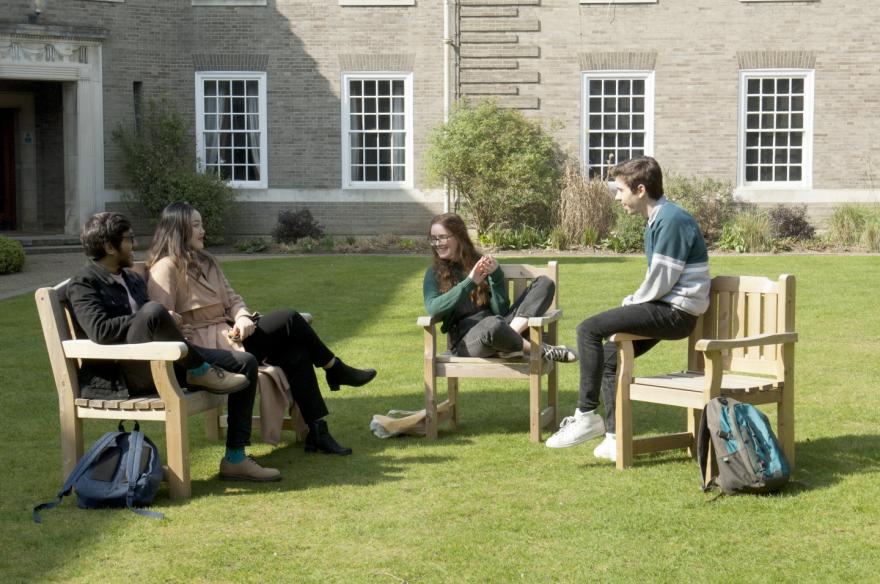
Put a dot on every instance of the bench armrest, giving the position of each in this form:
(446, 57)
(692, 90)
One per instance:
(547, 318)
(427, 320)
(155, 351)
(755, 341)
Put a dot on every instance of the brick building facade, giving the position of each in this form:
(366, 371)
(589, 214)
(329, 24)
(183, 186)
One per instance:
(326, 104)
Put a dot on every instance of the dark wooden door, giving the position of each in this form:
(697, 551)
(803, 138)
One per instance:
(7, 169)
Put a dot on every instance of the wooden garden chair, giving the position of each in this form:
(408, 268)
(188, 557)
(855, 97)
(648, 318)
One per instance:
(532, 367)
(742, 347)
(172, 405)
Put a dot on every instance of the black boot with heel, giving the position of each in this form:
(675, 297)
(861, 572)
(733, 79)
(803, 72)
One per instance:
(319, 440)
(342, 374)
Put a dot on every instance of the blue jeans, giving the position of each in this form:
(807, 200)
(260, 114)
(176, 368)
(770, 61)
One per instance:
(598, 364)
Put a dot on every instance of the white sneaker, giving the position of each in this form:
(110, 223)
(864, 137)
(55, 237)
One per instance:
(577, 429)
(607, 449)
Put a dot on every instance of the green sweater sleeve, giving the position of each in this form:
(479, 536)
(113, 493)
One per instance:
(500, 301)
(442, 305)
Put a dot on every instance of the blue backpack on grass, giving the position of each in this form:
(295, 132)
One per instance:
(121, 469)
(749, 457)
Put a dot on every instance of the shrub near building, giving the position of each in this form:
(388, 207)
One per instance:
(11, 256)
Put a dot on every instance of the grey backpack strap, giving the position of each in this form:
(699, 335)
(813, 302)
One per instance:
(132, 472)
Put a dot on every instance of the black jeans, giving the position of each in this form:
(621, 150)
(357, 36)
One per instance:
(285, 339)
(153, 323)
(599, 365)
(484, 334)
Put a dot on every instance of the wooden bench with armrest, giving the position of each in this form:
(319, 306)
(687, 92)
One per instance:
(742, 347)
(532, 367)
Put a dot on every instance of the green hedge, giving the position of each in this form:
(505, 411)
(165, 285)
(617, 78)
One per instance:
(11, 256)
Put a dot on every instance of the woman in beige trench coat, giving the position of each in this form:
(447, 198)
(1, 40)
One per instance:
(190, 284)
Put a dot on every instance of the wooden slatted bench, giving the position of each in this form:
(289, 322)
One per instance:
(532, 367)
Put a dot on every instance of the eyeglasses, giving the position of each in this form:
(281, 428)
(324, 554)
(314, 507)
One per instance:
(438, 239)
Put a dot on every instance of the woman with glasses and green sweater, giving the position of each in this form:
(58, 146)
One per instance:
(468, 292)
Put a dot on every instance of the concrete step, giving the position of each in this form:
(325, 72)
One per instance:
(42, 243)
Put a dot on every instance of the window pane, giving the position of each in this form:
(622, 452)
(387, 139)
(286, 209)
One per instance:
(384, 88)
(797, 85)
(751, 173)
(399, 173)
(238, 88)
(610, 87)
(794, 173)
(397, 86)
(355, 88)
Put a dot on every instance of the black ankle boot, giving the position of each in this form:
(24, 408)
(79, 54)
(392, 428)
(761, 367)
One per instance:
(319, 440)
(342, 374)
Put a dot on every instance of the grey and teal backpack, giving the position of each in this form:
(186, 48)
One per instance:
(121, 469)
(749, 457)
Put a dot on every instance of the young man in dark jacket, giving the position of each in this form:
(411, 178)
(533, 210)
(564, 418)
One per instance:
(111, 306)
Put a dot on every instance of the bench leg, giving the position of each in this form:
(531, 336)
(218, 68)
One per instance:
(430, 406)
(71, 443)
(694, 416)
(535, 407)
(176, 437)
(212, 424)
(452, 396)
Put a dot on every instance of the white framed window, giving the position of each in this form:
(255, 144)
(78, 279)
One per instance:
(606, 2)
(231, 126)
(618, 118)
(377, 130)
(776, 128)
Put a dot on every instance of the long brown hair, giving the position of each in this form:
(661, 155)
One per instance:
(172, 237)
(467, 257)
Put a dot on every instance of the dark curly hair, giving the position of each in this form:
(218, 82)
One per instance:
(101, 228)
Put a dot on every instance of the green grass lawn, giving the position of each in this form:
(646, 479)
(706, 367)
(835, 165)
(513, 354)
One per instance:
(482, 504)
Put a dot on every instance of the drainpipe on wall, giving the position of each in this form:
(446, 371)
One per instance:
(450, 65)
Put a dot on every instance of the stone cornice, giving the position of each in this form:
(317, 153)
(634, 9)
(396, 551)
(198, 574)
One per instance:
(53, 32)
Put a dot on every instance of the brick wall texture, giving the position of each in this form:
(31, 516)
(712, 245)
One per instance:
(528, 53)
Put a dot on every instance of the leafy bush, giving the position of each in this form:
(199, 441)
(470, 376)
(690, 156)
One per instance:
(293, 226)
(749, 231)
(525, 237)
(558, 239)
(11, 255)
(710, 202)
(870, 239)
(791, 223)
(505, 168)
(628, 234)
(251, 245)
(586, 206)
(159, 165)
(846, 223)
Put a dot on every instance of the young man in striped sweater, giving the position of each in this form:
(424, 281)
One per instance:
(666, 306)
